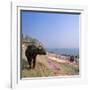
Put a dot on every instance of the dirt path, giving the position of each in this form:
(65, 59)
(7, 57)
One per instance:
(53, 65)
(57, 59)
(48, 62)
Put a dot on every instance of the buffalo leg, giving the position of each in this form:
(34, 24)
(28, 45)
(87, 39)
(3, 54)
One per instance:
(29, 61)
(34, 62)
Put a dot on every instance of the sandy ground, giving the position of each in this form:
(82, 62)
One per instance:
(57, 59)
(54, 57)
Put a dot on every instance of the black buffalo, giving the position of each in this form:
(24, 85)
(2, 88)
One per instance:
(31, 53)
(71, 58)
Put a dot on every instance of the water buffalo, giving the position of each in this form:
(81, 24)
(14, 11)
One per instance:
(31, 53)
(71, 58)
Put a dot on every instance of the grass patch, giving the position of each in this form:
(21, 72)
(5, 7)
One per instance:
(69, 69)
(40, 71)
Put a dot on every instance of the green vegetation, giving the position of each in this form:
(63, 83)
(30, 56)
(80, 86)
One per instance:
(40, 71)
(69, 69)
(31, 41)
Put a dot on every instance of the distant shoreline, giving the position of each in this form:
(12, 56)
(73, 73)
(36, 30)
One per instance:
(64, 51)
(61, 58)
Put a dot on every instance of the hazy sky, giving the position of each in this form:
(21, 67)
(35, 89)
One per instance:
(54, 30)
